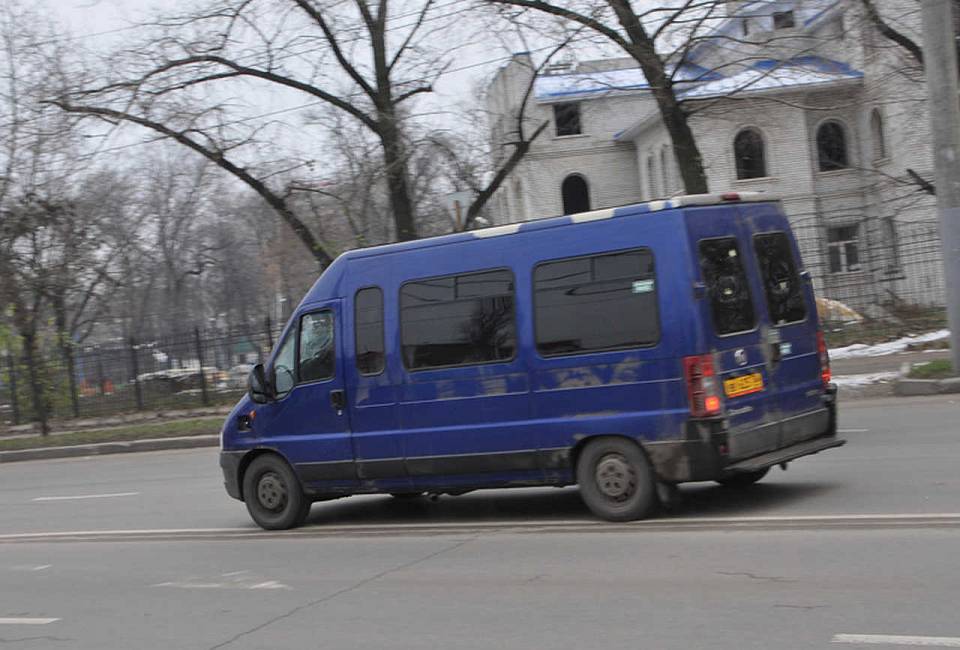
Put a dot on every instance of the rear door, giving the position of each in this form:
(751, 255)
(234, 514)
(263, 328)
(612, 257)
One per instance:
(787, 302)
(734, 325)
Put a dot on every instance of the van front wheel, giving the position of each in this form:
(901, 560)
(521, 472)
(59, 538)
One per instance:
(615, 479)
(273, 494)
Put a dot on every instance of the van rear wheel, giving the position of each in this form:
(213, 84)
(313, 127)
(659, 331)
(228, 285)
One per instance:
(743, 479)
(272, 492)
(616, 480)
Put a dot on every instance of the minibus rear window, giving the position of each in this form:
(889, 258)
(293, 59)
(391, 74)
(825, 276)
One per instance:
(596, 303)
(781, 282)
(727, 286)
(458, 320)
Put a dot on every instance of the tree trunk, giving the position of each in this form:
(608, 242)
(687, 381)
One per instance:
(396, 172)
(685, 150)
(66, 352)
(37, 394)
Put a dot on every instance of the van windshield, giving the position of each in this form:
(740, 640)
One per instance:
(727, 286)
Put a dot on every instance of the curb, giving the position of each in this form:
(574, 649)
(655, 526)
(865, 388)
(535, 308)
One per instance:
(102, 448)
(904, 387)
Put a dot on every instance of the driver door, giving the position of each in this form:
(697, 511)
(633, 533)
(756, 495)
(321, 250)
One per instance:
(308, 423)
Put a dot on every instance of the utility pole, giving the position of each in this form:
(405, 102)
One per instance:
(940, 62)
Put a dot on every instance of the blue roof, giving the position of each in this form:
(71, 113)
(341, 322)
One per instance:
(586, 84)
(776, 74)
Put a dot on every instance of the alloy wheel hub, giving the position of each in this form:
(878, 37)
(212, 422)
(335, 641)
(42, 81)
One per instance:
(271, 492)
(615, 477)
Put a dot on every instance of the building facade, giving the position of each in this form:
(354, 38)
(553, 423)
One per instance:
(802, 99)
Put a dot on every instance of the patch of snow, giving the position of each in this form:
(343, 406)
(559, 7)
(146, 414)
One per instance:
(761, 77)
(857, 381)
(890, 347)
(561, 85)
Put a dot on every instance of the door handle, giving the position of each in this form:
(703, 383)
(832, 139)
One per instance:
(776, 352)
(338, 400)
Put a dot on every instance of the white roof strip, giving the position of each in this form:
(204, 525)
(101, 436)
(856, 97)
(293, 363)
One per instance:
(594, 215)
(710, 199)
(508, 229)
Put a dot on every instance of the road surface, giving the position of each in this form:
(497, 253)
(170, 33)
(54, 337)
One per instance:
(855, 546)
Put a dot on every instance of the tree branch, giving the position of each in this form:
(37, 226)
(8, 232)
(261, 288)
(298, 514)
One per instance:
(335, 47)
(900, 39)
(586, 21)
(406, 42)
(273, 200)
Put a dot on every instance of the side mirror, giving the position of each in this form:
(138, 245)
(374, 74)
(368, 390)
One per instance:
(259, 388)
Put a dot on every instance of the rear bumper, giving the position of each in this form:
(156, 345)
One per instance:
(710, 452)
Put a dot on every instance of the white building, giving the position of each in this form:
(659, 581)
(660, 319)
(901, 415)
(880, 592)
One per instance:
(804, 99)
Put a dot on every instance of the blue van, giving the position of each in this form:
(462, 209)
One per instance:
(620, 350)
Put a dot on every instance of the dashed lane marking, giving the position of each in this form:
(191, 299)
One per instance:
(891, 639)
(27, 621)
(77, 497)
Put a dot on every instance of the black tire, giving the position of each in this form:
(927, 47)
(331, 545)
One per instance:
(616, 480)
(406, 496)
(274, 497)
(743, 479)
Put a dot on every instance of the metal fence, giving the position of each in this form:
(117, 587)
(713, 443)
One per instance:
(878, 281)
(192, 369)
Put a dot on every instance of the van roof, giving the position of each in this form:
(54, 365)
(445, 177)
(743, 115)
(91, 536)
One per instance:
(686, 200)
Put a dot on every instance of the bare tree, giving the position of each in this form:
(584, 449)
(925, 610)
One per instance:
(361, 58)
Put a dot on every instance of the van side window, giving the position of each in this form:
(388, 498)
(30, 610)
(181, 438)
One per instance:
(368, 316)
(727, 286)
(602, 302)
(458, 320)
(316, 356)
(781, 282)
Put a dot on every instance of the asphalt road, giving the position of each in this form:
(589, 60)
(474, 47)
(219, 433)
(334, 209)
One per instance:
(855, 541)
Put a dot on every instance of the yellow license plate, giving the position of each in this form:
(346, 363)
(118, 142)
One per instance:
(743, 385)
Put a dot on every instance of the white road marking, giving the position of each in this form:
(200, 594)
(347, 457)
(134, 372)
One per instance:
(852, 430)
(236, 584)
(27, 621)
(76, 497)
(890, 639)
(30, 567)
(506, 524)
(269, 584)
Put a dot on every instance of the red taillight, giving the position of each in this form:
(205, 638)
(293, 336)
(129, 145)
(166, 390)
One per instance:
(824, 358)
(702, 389)
(729, 196)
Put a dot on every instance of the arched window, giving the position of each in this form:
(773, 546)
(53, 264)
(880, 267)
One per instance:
(878, 142)
(749, 155)
(832, 147)
(665, 169)
(576, 194)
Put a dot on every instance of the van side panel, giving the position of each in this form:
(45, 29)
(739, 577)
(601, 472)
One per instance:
(467, 425)
(638, 393)
(372, 399)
